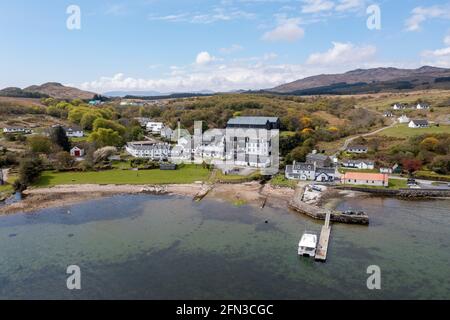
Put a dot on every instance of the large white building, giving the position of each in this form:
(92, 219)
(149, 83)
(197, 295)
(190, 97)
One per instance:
(249, 141)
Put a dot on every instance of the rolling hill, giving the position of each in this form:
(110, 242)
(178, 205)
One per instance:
(369, 81)
(49, 89)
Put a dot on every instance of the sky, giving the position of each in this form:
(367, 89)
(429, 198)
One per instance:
(223, 45)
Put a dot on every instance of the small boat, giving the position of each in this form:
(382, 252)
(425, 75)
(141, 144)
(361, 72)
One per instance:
(307, 245)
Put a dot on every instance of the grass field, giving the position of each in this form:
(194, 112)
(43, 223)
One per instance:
(403, 131)
(187, 174)
(281, 181)
(218, 176)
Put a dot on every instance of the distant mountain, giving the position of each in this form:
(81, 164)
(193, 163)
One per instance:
(369, 81)
(58, 91)
(123, 94)
(14, 92)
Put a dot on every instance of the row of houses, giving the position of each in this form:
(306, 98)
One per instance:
(71, 132)
(419, 106)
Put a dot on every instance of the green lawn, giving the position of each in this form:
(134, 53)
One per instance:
(403, 131)
(187, 174)
(281, 181)
(6, 188)
(219, 176)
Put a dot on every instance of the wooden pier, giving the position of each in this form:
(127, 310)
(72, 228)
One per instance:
(322, 248)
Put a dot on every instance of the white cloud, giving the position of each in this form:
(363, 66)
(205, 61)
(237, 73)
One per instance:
(438, 57)
(315, 6)
(232, 49)
(447, 40)
(215, 15)
(204, 58)
(421, 14)
(245, 73)
(287, 30)
(343, 53)
(116, 10)
(345, 5)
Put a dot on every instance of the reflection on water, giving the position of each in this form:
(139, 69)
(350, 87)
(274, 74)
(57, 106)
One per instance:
(162, 247)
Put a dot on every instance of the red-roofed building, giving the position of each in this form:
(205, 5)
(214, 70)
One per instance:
(365, 179)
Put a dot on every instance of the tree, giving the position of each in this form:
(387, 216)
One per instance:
(59, 137)
(411, 165)
(105, 137)
(64, 160)
(40, 144)
(108, 124)
(87, 120)
(429, 143)
(441, 164)
(30, 170)
(104, 153)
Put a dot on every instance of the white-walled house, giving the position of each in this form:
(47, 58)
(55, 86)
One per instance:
(359, 164)
(77, 152)
(404, 119)
(166, 133)
(422, 106)
(365, 179)
(16, 130)
(357, 149)
(301, 171)
(399, 106)
(153, 150)
(305, 171)
(74, 132)
(415, 124)
(386, 170)
(155, 127)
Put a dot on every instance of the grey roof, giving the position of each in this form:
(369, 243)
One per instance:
(358, 147)
(252, 120)
(359, 161)
(147, 145)
(304, 166)
(317, 157)
(326, 170)
(420, 122)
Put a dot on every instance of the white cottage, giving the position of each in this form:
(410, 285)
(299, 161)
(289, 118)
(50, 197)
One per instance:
(77, 152)
(415, 124)
(404, 119)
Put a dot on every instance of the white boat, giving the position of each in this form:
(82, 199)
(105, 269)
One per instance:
(307, 245)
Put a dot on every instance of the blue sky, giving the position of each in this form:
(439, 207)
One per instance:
(186, 45)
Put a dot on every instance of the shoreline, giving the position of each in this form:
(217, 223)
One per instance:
(252, 193)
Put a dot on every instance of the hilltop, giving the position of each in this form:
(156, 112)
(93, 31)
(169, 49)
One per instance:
(369, 81)
(50, 89)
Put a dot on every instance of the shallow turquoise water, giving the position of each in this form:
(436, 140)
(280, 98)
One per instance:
(162, 247)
